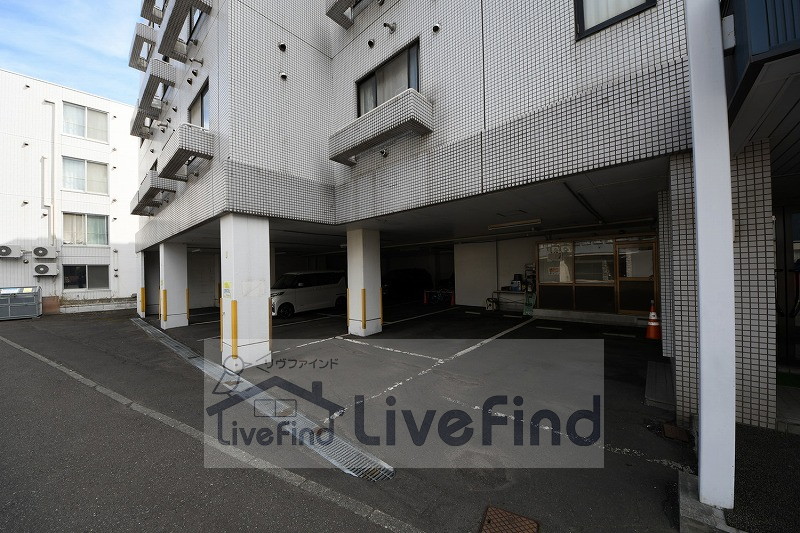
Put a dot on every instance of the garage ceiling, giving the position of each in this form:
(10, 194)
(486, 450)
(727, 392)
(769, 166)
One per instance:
(614, 195)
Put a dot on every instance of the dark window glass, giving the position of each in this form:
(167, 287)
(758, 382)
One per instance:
(74, 277)
(98, 276)
(399, 73)
(287, 281)
(592, 16)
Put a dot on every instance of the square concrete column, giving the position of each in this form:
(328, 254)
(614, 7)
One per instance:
(173, 295)
(246, 312)
(141, 294)
(364, 301)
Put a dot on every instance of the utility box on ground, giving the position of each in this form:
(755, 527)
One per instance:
(20, 302)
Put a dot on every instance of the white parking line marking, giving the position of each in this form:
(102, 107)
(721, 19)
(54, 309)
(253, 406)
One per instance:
(550, 327)
(201, 323)
(417, 316)
(372, 514)
(447, 360)
(471, 313)
(606, 447)
(327, 317)
(386, 348)
(626, 335)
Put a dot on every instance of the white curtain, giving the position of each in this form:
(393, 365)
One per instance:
(74, 119)
(97, 229)
(74, 174)
(97, 125)
(74, 229)
(97, 178)
(598, 11)
(392, 78)
(366, 96)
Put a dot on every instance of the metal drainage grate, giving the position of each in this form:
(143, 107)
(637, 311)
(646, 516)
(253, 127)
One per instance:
(497, 520)
(339, 452)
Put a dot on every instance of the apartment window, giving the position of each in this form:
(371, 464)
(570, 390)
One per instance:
(592, 16)
(85, 122)
(85, 276)
(390, 79)
(86, 176)
(199, 110)
(85, 229)
(195, 16)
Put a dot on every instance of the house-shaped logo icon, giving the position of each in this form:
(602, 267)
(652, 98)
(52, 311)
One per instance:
(314, 396)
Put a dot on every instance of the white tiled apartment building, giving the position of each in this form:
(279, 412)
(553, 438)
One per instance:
(69, 172)
(500, 135)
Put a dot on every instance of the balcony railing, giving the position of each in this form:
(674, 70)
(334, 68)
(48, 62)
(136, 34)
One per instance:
(144, 35)
(151, 193)
(339, 11)
(151, 12)
(169, 42)
(148, 106)
(187, 141)
(408, 112)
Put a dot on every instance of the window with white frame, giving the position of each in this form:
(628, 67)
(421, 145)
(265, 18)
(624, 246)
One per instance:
(85, 176)
(85, 229)
(85, 276)
(85, 122)
(592, 16)
(399, 73)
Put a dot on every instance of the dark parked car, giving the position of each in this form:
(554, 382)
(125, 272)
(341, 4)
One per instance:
(406, 284)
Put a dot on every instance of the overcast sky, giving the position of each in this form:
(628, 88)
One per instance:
(82, 44)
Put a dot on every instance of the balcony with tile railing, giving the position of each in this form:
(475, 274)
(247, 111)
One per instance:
(148, 106)
(408, 112)
(150, 194)
(186, 142)
(144, 35)
(151, 12)
(175, 14)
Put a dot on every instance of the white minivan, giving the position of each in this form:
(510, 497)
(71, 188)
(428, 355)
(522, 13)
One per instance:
(304, 291)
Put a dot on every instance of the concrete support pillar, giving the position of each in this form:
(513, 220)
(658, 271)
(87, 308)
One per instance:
(714, 229)
(365, 301)
(245, 272)
(173, 296)
(141, 294)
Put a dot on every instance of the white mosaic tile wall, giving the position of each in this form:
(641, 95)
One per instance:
(515, 100)
(666, 312)
(754, 257)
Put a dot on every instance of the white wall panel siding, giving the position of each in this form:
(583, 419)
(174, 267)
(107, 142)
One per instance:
(475, 272)
(32, 146)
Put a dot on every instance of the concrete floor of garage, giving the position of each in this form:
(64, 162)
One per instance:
(638, 481)
(635, 491)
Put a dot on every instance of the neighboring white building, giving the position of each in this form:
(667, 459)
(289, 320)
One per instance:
(68, 175)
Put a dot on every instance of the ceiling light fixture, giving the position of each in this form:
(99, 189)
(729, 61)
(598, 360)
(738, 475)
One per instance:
(506, 225)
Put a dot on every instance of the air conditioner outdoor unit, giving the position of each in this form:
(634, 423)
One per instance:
(45, 269)
(44, 252)
(8, 251)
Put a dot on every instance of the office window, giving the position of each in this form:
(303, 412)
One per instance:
(85, 122)
(85, 229)
(85, 276)
(390, 79)
(86, 176)
(199, 110)
(593, 15)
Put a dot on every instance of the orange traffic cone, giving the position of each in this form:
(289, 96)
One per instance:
(653, 325)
